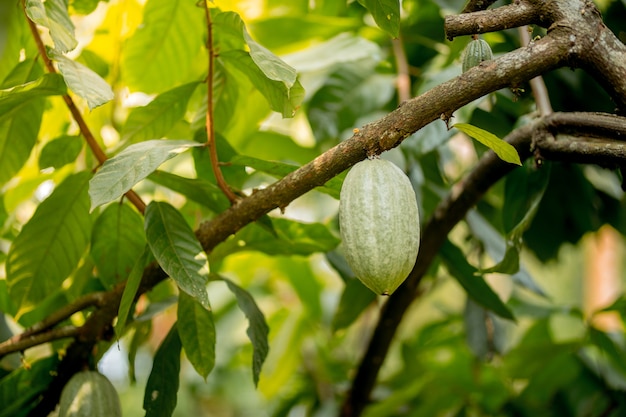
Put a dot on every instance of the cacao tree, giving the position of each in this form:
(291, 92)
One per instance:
(171, 174)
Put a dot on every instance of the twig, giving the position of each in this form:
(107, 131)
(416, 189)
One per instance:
(210, 129)
(38, 339)
(537, 85)
(403, 82)
(88, 300)
(80, 121)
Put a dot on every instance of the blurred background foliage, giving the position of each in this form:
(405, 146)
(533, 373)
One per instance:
(563, 356)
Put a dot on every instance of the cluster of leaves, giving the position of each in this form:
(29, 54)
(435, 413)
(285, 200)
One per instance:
(139, 80)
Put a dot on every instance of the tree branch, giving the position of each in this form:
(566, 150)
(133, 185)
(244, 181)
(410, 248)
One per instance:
(476, 5)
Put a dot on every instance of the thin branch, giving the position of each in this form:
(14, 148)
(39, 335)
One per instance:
(78, 117)
(403, 81)
(537, 85)
(210, 129)
(38, 339)
(88, 300)
(504, 17)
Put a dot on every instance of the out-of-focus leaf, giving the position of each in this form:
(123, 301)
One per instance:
(21, 391)
(117, 241)
(177, 249)
(120, 173)
(83, 81)
(141, 335)
(53, 14)
(355, 298)
(497, 249)
(475, 285)
(386, 14)
(50, 245)
(503, 149)
(197, 333)
(280, 169)
(130, 290)
(13, 98)
(60, 151)
(162, 387)
(294, 238)
(163, 51)
(257, 330)
(610, 348)
(196, 189)
(523, 191)
(84, 6)
(154, 120)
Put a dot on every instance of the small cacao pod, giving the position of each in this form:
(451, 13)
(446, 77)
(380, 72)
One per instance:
(89, 394)
(379, 224)
(477, 51)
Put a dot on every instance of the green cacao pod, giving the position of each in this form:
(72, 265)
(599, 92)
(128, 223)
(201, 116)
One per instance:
(476, 52)
(89, 394)
(379, 224)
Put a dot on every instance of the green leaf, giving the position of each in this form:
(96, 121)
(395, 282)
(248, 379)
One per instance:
(120, 173)
(130, 291)
(201, 191)
(503, 149)
(523, 190)
(162, 387)
(165, 49)
(50, 245)
(289, 238)
(60, 151)
(197, 333)
(282, 98)
(11, 99)
(355, 298)
(22, 390)
(280, 169)
(476, 287)
(117, 241)
(156, 119)
(83, 81)
(273, 67)
(386, 14)
(257, 330)
(53, 15)
(177, 249)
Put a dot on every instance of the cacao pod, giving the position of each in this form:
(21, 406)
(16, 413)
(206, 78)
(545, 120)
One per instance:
(476, 52)
(89, 394)
(379, 224)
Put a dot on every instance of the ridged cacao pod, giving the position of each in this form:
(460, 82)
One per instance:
(476, 52)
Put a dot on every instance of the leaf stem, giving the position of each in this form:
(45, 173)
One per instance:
(210, 129)
(80, 121)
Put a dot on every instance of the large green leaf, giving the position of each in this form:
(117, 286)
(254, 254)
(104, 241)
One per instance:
(117, 241)
(386, 14)
(130, 291)
(475, 285)
(197, 333)
(22, 389)
(50, 245)
(154, 120)
(280, 169)
(177, 249)
(354, 299)
(53, 15)
(120, 173)
(196, 189)
(162, 387)
(60, 151)
(257, 330)
(282, 98)
(165, 49)
(83, 81)
(289, 237)
(503, 149)
(20, 127)
(11, 99)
